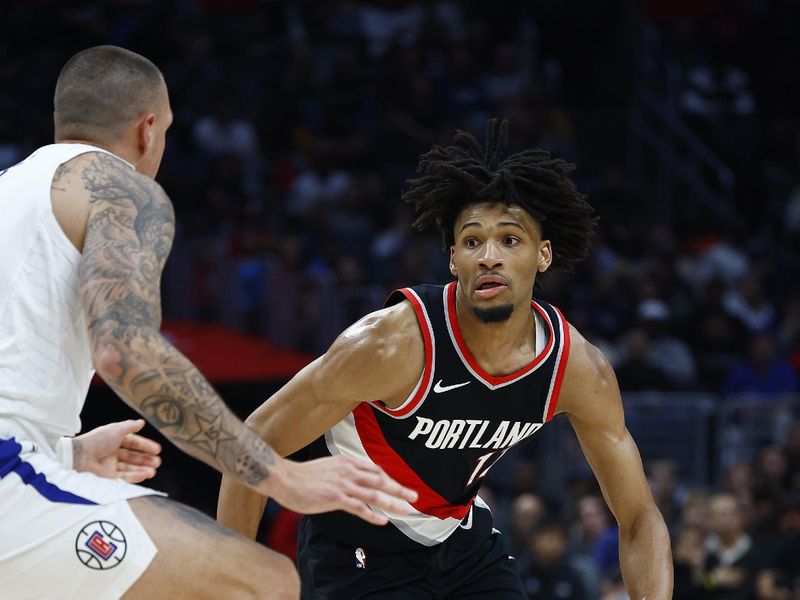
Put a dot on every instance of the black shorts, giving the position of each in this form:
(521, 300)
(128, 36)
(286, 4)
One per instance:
(470, 564)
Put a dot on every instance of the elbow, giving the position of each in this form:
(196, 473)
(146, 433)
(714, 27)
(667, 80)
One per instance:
(647, 521)
(112, 353)
(107, 359)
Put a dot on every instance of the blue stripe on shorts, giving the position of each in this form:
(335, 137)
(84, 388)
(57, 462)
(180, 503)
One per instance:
(10, 461)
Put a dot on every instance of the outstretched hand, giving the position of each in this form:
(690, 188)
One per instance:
(343, 483)
(117, 451)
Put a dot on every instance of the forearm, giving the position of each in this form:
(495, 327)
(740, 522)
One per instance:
(646, 559)
(239, 507)
(146, 371)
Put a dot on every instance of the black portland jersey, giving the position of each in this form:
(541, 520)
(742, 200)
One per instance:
(457, 422)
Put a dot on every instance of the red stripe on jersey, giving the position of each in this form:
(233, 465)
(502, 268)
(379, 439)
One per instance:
(562, 365)
(383, 455)
(451, 309)
(427, 372)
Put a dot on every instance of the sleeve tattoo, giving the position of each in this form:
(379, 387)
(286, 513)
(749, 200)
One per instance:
(128, 239)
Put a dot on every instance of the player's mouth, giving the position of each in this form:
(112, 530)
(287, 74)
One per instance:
(489, 286)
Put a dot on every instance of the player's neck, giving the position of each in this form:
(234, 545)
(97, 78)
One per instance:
(502, 347)
(115, 149)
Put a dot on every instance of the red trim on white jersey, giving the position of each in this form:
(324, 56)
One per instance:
(490, 381)
(561, 367)
(383, 455)
(407, 408)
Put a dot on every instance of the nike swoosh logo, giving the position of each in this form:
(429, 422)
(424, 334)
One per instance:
(439, 388)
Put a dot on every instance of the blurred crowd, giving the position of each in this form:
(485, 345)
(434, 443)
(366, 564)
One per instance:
(297, 123)
(739, 540)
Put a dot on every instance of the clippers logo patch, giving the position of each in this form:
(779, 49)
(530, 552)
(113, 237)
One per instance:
(101, 545)
(361, 558)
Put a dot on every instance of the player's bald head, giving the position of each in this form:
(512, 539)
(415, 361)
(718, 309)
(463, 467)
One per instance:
(102, 90)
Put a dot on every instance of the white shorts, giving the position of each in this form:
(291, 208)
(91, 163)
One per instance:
(65, 534)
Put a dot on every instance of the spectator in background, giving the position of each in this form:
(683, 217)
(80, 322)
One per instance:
(221, 132)
(527, 513)
(689, 557)
(695, 511)
(740, 480)
(772, 470)
(593, 542)
(748, 303)
(765, 371)
(321, 184)
(730, 558)
(780, 579)
(663, 480)
(634, 370)
(716, 342)
(667, 353)
(548, 574)
(608, 305)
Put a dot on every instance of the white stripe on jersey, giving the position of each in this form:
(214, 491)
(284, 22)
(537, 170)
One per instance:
(424, 529)
(562, 326)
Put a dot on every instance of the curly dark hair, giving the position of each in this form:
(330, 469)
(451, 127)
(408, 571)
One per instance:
(464, 173)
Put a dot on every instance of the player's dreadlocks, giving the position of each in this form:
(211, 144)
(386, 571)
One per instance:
(464, 173)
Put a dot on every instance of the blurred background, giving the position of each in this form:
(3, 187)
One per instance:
(296, 125)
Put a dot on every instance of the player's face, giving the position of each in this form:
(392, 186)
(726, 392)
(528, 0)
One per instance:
(497, 253)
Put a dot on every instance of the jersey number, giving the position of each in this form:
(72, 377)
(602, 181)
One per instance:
(485, 463)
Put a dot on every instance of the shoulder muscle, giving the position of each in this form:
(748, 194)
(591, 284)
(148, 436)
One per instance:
(381, 356)
(129, 234)
(590, 387)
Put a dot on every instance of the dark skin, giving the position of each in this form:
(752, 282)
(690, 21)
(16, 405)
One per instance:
(498, 252)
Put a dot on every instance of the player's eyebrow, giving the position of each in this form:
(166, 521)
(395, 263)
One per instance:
(500, 224)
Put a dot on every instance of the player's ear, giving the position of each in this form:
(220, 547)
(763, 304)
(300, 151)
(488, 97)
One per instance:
(146, 133)
(545, 256)
(453, 268)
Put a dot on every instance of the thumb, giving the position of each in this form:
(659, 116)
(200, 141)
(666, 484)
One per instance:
(129, 426)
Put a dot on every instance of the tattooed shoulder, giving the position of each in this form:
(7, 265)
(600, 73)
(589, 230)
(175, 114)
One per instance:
(128, 238)
(133, 202)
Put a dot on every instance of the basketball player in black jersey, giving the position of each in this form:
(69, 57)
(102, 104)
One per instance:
(444, 380)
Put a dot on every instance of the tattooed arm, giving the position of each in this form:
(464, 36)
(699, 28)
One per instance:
(128, 237)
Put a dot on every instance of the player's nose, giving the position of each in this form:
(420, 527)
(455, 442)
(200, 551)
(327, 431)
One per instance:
(490, 257)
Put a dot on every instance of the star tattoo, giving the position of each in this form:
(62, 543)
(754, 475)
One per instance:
(211, 434)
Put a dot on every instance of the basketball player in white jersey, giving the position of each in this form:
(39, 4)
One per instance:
(84, 234)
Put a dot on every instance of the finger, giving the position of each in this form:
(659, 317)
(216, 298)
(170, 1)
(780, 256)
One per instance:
(127, 426)
(374, 477)
(359, 509)
(136, 475)
(375, 498)
(136, 425)
(133, 457)
(140, 443)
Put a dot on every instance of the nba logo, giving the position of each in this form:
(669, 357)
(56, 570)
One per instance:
(361, 559)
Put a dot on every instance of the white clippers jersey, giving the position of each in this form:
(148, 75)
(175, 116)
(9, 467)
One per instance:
(45, 356)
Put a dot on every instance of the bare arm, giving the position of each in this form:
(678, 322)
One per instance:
(379, 357)
(591, 400)
(128, 237)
